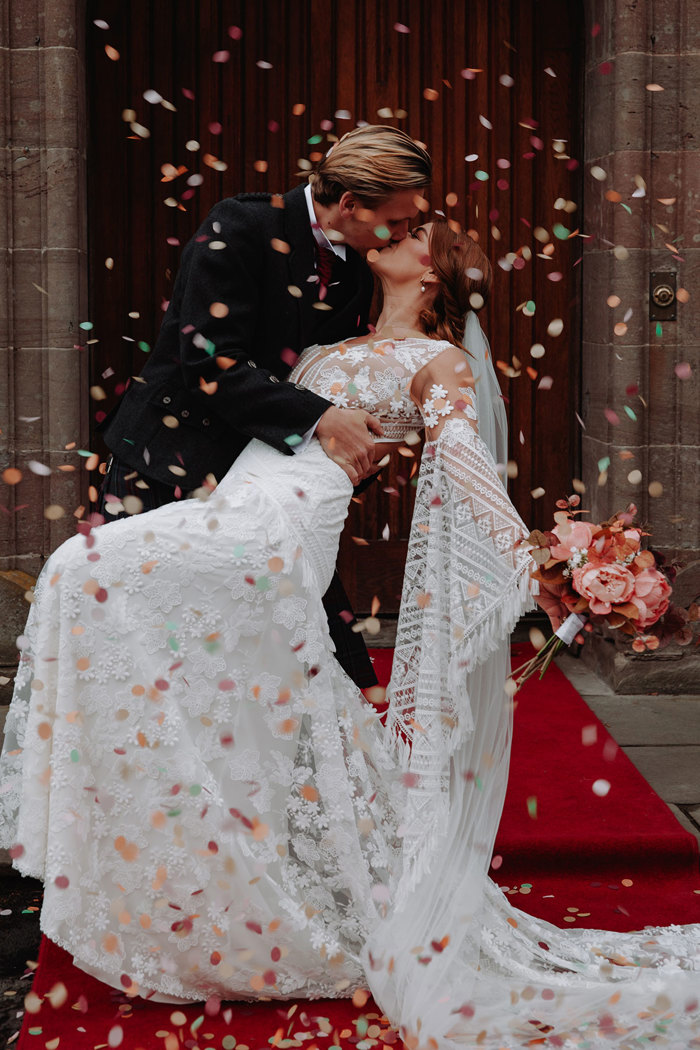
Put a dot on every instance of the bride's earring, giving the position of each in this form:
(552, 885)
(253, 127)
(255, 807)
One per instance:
(422, 287)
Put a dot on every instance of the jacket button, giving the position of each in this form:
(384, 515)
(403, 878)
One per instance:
(205, 422)
(274, 379)
(252, 364)
(167, 400)
(185, 413)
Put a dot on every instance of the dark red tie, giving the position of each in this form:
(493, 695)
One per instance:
(324, 266)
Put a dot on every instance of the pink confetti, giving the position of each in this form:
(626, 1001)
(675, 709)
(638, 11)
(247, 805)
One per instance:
(221, 56)
(555, 276)
(683, 370)
(215, 127)
(401, 28)
(235, 32)
(604, 68)
(612, 417)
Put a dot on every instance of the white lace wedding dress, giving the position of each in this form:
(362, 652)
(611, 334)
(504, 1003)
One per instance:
(216, 810)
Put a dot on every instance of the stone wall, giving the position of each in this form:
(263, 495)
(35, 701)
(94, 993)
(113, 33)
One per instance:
(43, 291)
(43, 294)
(643, 140)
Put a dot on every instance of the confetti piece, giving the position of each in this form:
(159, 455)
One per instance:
(401, 28)
(654, 87)
(600, 788)
(111, 53)
(682, 370)
(532, 807)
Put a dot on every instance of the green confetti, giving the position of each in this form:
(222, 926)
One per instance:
(560, 232)
(35, 1031)
(239, 550)
(626, 207)
(352, 389)
(532, 807)
(262, 583)
(87, 326)
(482, 176)
(144, 346)
(314, 140)
(195, 789)
(173, 644)
(659, 329)
(603, 464)
(530, 306)
(382, 232)
(75, 755)
(631, 413)
(173, 813)
(84, 452)
(362, 1024)
(292, 440)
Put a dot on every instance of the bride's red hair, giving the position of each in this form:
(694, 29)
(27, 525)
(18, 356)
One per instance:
(462, 270)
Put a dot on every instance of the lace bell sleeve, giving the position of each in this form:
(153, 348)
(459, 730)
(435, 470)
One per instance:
(465, 586)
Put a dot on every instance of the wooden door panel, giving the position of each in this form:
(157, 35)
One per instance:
(333, 57)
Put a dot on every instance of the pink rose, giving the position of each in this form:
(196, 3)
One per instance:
(603, 586)
(651, 594)
(579, 535)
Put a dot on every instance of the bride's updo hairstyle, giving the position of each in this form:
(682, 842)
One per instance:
(463, 272)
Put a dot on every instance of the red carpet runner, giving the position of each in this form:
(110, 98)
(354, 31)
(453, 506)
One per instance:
(565, 852)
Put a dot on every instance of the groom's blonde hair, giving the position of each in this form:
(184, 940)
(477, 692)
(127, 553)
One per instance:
(372, 163)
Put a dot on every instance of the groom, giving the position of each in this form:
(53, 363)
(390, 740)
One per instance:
(264, 277)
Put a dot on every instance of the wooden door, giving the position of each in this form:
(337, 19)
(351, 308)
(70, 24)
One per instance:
(200, 99)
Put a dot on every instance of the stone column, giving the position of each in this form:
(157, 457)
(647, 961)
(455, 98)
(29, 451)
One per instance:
(43, 293)
(641, 442)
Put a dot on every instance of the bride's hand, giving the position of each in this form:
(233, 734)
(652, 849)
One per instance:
(549, 600)
(346, 437)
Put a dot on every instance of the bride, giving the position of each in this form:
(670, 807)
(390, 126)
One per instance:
(214, 807)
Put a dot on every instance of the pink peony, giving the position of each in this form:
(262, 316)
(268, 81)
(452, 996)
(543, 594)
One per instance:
(651, 594)
(603, 586)
(579, 535)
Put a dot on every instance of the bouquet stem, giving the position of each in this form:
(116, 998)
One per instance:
(564, 635)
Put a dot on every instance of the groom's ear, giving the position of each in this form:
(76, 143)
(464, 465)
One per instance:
(347, 205)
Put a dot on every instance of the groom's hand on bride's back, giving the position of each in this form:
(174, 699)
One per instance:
(346, 436)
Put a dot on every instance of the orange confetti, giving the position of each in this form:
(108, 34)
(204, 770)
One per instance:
(112, 53)
(110, 943)
(11, 476)
(309, 792)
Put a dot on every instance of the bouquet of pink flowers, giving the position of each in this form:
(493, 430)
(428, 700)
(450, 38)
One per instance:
(599, 573)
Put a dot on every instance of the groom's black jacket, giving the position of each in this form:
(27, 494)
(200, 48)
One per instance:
(251, 260)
